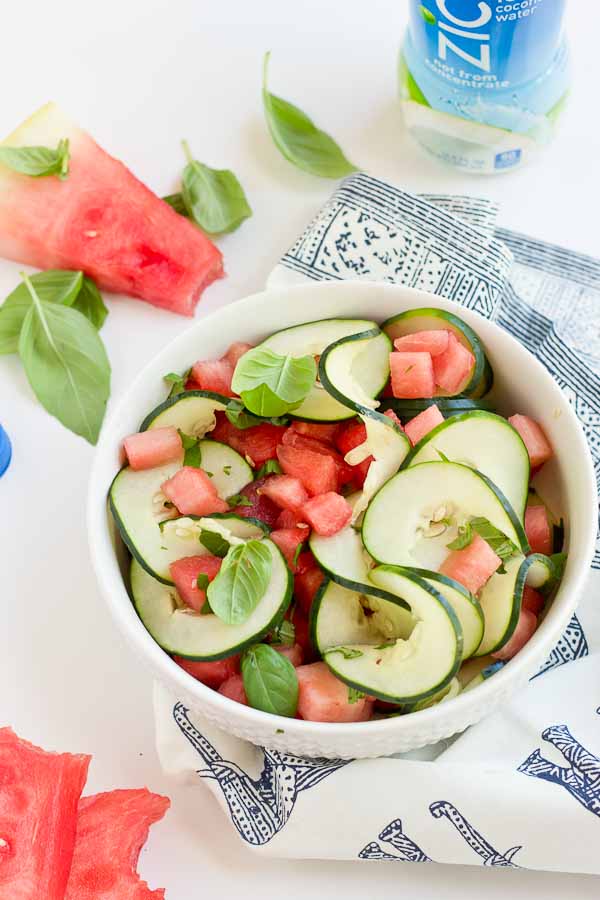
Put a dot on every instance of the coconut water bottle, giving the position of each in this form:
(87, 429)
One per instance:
(483, 83)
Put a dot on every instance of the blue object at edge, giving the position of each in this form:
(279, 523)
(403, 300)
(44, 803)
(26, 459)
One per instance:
(5, 451)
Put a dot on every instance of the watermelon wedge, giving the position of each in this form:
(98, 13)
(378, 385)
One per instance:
(103, 221)
(38, 816)
(111, 830)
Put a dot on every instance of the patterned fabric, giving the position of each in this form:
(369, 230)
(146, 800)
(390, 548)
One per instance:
(494, 786)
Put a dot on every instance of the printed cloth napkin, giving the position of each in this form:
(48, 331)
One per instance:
(488, 797)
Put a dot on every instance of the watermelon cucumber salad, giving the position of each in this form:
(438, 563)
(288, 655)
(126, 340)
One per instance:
(335, 524)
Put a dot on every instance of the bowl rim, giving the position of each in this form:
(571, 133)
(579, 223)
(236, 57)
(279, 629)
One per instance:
(116, 596)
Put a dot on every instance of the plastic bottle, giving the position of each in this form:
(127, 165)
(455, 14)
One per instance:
(483, 83)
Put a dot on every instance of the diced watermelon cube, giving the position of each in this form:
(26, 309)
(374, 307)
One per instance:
(212, 674)
(306, 561)
(295, 653)
(328, 513)
(288, 540)
(184, 573)
(412, 375)
(289, 519)
(347, 439)
(317, 472)
(532, 600)
(193, 493)
(538, 445)
(302, 630)
(153, 448)
(537, 529)
(452, 367)
(392, 415)
(422, 424)
(214, 375)
(257, 505)
(258, 443)
(286, 491)
(525, 628)
(306, 585)
(235, 352)
(233, 688)
(473, 565)
(320, 432)
(302, 442)
(432, 342)
(324, 698)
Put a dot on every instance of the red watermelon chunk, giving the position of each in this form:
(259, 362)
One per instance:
(213, 375)
(317, 472)
(422, 424)
(103, 221)
(234, 689)
(328, 513)
(257, 505)
(432, 342)
(412, 375)
(295, 653)
(38, 818)
(288, 540)
(532, 600)
(473, 565)
(236, 351)
(302, 629)
(526, 626)
(214, 673)
(184, 573)
(111, 831)
(538, 445)
(390, 414)
(287, 518)
(155, 447)
(348, 438)
(324, 698)
(537, 529)
(306, 584)
(286, 491)
(320, 432)
(452, 367)
(193, 493)
(259, 443)
(302, 442)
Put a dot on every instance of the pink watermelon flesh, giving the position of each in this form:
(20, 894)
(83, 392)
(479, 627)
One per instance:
(289, 519)
(295, 653)
(532, 600)
(102, 220)
(213, 375)
(213, 674)
(234, 689)
(155, 447)
(111, 831)
(473, 565)
(525, 628)
(184, 573)
(328, 513)
(193, 493)
(317, 472)
(537, 530)
(236, 351)
(453, 367)
(422, 424)
(432, 342)
(538, 445)
(324, 698)
(286, 491)
(412, 375)
(288, 540)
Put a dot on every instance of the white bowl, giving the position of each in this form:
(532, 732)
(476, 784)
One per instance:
(522, 385)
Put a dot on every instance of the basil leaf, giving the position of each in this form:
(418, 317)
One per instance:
(500, 544)
(192, 454)
(241, 583)
(239, 416)
(270, 384)
(89, 302)
(271, 467)
(347, 652)
(214, 542)
(270, 681)
(285, 633)
(239, 500)
(202, 581)
(176, 381)
(299, 140)
(214, 198)
(37, 161)
(354, 696)
(52, 286)
(427, 15)
(463, 538)
(66, 365)
(178, 204)
(559, 561)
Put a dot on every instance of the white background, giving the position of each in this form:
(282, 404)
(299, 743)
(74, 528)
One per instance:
(141, 76)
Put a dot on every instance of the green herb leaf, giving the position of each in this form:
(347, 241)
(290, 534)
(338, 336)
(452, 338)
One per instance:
(463, 538)
(385, 645)
(192, 455)
(226, 470)
(354, 696)
(202, 581)
(347, 652)
(89, 302)
(176, 381)
(214, 198)
(241, 583)
(285, 633)
(559, 561)
(271, 467)
(66, 364)
(427, 15)
(178, 204)
(299, 140)
(500, 544)
(239, 500)
(441, 455)
(270, 681)
(270, 384)
(239, 416)
(214, 542)
(37, 161)
(52, 286)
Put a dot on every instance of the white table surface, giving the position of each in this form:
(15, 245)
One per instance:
(141, 76)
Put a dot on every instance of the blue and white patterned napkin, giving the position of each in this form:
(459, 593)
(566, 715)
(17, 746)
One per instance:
(487, 798)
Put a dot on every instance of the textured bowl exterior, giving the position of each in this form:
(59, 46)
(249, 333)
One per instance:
(522, 385)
